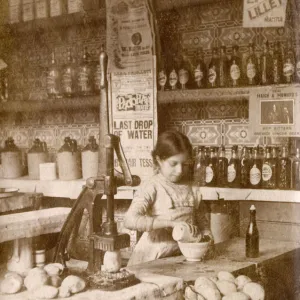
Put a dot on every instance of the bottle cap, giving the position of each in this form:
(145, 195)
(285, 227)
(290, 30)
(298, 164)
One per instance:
(252, 207)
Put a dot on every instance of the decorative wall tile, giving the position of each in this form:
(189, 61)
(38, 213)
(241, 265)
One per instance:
(91, 131)
(73, 132)
(182, 111)
(196, 39)
(222, 109)
(21, 136)
(238, 35)
(85, 116)
(55, 118)
(214, 13)
(205, 134)
(46, 135)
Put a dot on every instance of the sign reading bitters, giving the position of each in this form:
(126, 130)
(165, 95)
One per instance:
(274, 111)
(133, 79)
(264, 13)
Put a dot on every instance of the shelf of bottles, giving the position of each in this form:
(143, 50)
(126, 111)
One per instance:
(181, 78)
(252, 168)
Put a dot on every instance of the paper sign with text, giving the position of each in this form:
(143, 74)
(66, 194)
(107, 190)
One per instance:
(274, 111)
(264, 13)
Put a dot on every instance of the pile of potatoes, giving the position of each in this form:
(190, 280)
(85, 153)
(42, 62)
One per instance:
(225, 287)
(43, 283)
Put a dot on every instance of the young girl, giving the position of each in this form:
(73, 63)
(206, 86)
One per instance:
(165, 200)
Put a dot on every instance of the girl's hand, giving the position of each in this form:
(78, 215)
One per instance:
(207, 233)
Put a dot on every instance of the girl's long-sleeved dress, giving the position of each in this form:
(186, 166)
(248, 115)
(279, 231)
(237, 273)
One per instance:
(162, 199)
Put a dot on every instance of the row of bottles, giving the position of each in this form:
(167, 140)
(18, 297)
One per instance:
(250, 169)
(277, 67)
(71, 162)
(72, 80)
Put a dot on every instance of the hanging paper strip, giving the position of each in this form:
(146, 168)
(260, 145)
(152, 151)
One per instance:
(274, 111)
(132, 69)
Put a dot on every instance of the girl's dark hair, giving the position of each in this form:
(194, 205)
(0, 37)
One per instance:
(170, 143)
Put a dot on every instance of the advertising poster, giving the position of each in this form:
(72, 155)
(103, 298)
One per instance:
(264, 13)
(132, 69)
(274, 111)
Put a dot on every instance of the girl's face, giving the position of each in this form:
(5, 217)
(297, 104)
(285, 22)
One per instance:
(172, 168)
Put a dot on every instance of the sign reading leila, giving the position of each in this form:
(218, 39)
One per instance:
(264, 13)
(133, 102)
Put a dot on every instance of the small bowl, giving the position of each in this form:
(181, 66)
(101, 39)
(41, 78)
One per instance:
(194, 251)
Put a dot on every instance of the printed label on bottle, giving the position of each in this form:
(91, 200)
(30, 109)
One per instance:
(183, 76)
(52, 82)
(97, 77)
(235, 72)
(298, 69)
(255, 175)
(55, 8)
(266, 172)
(251, 71)
(67, 81)
(173, 78)
(288, 69)
(83, 80)
(74, 6)
(198, 74)
(212, 75)
(209, 174)
(231, 173)
(162, 78)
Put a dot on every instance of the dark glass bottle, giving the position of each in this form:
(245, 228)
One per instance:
(245, 168)
(295, 178)
(173, 75)
(97, 75)
(234, 167)
(297, 71)
(184, 72)
(255, 170)
(266, 65)
(213, 69)
(53, 83)
(211, 169)
(252, 68)
(200, 70)
(69, 77)
(235, 71)
(85, 75)
(269, 171)
(252, 235)
(222, 168)
(223, 68)
(284, 170)
(277, 65)
(200, 168)
(289, 65)
(162, 74)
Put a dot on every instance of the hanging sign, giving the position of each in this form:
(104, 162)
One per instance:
(273, 111)
(264, 13)
(130, 47)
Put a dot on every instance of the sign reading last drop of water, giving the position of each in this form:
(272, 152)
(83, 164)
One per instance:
(264, 13)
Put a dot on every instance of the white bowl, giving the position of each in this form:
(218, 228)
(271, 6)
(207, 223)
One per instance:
(193, 251)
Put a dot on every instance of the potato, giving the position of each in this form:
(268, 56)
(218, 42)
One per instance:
(209, 293)
(64, 292)
(236, 296)
(112, 261)
(254, 290)
(14, 275)
(74, 283)
(204, 281)
(54, 269)
(226, 287)
(11, 285)
(224, 275)
(189, 293)
(36, 279)
(45, 292)
(241, 280)
(55, 280)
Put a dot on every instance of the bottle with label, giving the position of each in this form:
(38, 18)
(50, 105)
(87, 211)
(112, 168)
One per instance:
(222, 168)
(54, 89)
(173, 75)
(295, 178)
(289, 64)
(297, 71)
(85, 75)
(184, 72)
(223, 67)
(200, 70)
(234, 167)
(245, 167)
(69, 77)
(266, 65)
(162, 74)
(252, 67)
(200, 168)
(277, 66)
(235, 68)
(213, 69)
(269, 171)
(284, 170)
(211, 168)
(41, 9)
(252, 235)
(57, 7)
(255, 170)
